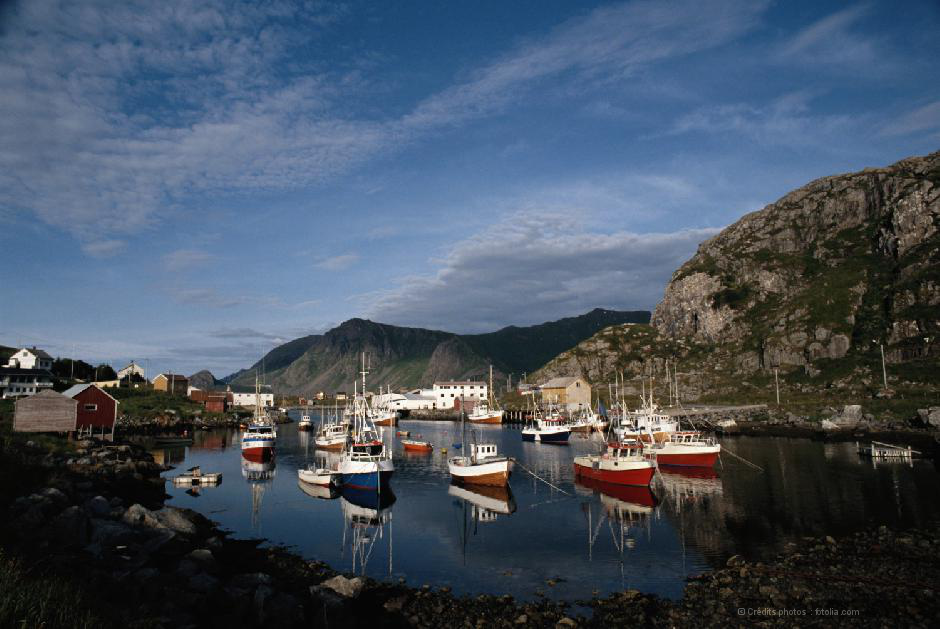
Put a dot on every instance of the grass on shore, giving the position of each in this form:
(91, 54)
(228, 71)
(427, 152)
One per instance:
(32, 600)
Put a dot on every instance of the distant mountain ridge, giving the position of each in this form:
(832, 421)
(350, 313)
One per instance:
(404, 357)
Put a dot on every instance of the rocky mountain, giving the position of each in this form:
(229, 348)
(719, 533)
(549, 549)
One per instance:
(403, 357)
(811, 285)
(204, 380)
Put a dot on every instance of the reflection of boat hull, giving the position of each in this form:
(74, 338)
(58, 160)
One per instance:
(556, 436)
(642, 497)
(492, 473)
(495, 499)
(318, 491)
(304, 425)
(636, 473)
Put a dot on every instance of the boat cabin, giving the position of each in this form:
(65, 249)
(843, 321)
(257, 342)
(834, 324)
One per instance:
(624, 449)
(366, 449)
(259, 429)
(484, 451)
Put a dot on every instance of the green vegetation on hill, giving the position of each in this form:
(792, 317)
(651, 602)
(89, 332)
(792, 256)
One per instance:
(145, 403)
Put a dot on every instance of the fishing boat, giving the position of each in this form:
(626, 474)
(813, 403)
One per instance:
(546, 430)
(482, 465)
(646, 423)
(365, 463)
(487, 411)
(622, 464)
(317, 476)
(305, 422)
(381, 414)
(416, 445)
(259, 437)
(583, 422)
(331, 437)
(688, 448)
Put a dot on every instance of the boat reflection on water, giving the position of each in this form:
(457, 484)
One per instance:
(368, 519)
(689, 484)
(260, 475)
(624, 509)
(486, 502)
(322, 492)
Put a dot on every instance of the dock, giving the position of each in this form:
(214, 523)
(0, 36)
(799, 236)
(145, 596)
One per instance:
(879, 450)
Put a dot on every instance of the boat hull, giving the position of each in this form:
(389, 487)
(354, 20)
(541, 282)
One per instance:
(636, 476)
(326, 444)
(417, 447)
(494, 474)
(556, 437)
(303, 426)
(691, 459)
(495, 418)
(366, 480)
(258, 452)
(388, 420)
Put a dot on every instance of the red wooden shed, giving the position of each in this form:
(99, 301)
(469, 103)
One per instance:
(97, 411)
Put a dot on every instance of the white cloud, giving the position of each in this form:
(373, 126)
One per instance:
(337, 263)
(926, 118)
(533, 267)
(103, 248)
(185, 259)
(786, 121)
(115, 114)
(831, 41)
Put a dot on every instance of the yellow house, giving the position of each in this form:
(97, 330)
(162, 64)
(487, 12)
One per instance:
(569, 393)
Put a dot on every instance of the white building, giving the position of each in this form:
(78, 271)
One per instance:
(449, 393)
(16, 382)
(248, 399)
(132, 368)
(30, 358)
(417, 400)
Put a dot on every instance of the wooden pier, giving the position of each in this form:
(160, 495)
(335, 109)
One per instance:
(879, 450)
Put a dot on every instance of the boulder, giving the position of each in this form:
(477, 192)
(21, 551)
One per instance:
(828, 425)
(108, 533)
(98, 507)
(176, 520)
(347, 588)
(139, 515)
(930, 416)
(70, 527)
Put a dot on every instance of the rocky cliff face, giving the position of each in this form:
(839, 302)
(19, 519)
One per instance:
(820, 274)
(809, 285)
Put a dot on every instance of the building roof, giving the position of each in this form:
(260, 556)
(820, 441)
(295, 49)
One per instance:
(244, 388)
(463, 382)
(36, 352)
(19, 371)
(45, 393)
(173, 376)
(78, 388)
(560, 383)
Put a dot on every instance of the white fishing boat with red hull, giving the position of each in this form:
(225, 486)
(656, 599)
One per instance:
(623, 464)
(687, 449)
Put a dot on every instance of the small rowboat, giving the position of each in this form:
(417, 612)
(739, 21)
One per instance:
(195, 476)
(413, 445)
(318, 476)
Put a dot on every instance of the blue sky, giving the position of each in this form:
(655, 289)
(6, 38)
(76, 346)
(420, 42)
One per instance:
(192, 183)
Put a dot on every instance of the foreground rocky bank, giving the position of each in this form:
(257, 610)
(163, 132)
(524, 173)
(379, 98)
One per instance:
(94, 517)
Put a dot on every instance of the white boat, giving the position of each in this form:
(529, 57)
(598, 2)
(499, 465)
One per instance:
(486, 411)
(365, 463)
(483, 466)
(305, 423)
(689, 449)
(259, 438)
(318, 476)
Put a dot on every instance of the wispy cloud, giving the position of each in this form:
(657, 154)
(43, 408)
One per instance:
(786, 121)
(337, 263)
(98, 144)
(926, 118)
(832, 40)
(537, 265)
(185, 259)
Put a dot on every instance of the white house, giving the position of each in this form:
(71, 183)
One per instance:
(245, 396)
(449, 393)
(16, 382)
(30, 358)
(132, 368)
(417, 400)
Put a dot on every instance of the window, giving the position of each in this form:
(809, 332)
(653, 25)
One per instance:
(91, 407)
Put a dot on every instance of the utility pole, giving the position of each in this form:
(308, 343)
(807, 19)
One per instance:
(884, 370)
(777, 384)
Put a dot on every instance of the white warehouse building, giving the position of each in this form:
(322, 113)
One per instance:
(448, 394)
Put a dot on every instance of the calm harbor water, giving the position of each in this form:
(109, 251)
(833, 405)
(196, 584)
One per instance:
(536, 539)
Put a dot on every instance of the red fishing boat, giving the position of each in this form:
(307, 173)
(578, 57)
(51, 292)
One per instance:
(622, 464)
(414, 445)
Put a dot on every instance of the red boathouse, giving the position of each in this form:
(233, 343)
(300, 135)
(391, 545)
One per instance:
(97, 411)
